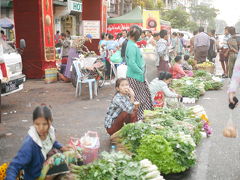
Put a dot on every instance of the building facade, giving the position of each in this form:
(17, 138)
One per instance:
(173, 4)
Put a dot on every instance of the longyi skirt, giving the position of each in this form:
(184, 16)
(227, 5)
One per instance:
(142, 95)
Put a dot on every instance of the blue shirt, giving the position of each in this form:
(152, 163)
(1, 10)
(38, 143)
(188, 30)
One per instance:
(101, 42)
(112, 45)
(30, 159)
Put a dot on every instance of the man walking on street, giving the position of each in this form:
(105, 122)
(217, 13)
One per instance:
(201, 46)
(233, 45)
(224, 53)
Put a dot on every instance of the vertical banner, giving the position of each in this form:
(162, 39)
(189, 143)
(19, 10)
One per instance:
(48, 31)
(104, 16)
(151, 20)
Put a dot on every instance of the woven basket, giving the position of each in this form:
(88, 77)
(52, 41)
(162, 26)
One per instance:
(208, 69)
(51, 75)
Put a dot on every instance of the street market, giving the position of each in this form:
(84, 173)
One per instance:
(92, 91)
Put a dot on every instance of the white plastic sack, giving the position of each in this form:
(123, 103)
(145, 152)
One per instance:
(90, 140)
(122, 71)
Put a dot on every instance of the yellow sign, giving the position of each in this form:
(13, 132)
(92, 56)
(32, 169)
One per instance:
(151, 20)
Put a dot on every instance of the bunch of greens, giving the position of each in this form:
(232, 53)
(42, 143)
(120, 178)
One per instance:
(133, 133)
(181, 113)
(201, 73)
(183, 148)
(212, 85)
(159, 152)
(190, 91)
(100, 169)
(109, 167)
(115, 166)
(171, 152)
(176, 120)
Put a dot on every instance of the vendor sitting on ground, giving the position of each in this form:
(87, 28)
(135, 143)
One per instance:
(159, 89)
(177, 69)
(36, 146)
(122, 109)
(185, 65)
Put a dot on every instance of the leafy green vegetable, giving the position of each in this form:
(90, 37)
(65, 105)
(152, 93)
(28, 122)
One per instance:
(113, 166)
(191, 91)
(201, 73)
(159, 152)
(212, 85)
(133, 133)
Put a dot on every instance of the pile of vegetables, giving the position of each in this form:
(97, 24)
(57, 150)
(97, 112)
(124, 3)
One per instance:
(117, 166)
(206, 64)
(194, 87)
(3, 170)
(167, 137)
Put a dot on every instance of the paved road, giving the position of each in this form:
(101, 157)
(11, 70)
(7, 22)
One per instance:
(218, 157)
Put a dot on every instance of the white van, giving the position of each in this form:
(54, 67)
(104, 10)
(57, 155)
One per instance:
(11, 75)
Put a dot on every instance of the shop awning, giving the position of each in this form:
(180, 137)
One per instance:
(134, 16)
(6, 3)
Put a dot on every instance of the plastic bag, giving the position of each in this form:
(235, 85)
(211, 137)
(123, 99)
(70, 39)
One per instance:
(122, 71)
(230, 131)
(90, 145)
(116, 57)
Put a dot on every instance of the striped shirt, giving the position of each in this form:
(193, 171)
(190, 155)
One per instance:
(201, 39)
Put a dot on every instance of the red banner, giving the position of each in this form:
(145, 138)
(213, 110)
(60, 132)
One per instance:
(48, 31)
(114, 29)
(117, 28)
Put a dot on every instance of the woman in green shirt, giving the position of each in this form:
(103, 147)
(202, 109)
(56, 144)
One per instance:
(136, 72)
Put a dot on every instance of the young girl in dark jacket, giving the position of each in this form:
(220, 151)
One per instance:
(37, 144)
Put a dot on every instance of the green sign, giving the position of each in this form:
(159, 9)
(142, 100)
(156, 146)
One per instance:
(75, 6)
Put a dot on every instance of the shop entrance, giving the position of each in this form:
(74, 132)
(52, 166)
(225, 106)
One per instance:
(34, 22)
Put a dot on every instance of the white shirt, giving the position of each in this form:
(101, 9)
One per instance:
(121, 40)
(162, 49)
(158, 85)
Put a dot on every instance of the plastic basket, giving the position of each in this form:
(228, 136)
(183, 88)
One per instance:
(90, 153)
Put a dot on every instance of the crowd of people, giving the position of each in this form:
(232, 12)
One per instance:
(133, 94)
(172, 55)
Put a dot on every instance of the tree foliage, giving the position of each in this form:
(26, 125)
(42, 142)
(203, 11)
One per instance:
(203, 13)
(178, 17)
(193, 26)
(220, 25)
(149, 4)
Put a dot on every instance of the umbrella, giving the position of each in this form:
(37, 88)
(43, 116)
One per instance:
(6, 23)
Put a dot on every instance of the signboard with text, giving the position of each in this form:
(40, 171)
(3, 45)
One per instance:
(74, 6)
(91, 27)
(151, 20)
